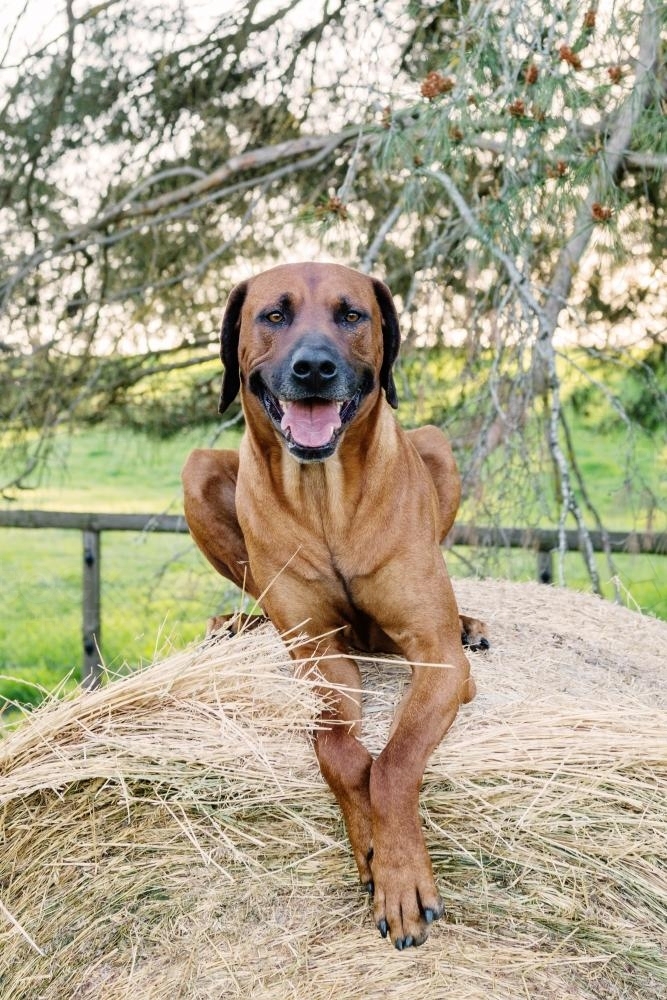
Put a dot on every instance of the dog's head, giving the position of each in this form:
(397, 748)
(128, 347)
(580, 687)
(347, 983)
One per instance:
(311, 344)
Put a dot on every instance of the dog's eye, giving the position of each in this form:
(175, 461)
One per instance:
(275, 316)
(352, 316)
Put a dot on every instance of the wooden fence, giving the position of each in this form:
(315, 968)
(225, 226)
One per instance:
(542, 541)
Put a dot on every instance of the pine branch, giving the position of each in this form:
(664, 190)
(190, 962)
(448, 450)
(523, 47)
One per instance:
(613, 152)
(566, 266)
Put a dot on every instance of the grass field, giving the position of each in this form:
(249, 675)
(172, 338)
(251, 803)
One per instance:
(158, 590)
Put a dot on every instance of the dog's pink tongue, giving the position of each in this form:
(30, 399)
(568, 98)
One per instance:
(312, 424)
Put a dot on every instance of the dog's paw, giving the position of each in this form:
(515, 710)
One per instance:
(406, 901)
(225, 626)
(474, 633)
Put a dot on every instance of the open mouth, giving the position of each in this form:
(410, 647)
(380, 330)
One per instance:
(311, 426)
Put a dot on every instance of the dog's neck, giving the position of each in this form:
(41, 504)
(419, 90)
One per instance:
(322, 505)
(330, 491)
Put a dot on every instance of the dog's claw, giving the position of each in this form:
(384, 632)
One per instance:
(368, 887)
(433, 913)
(475, 645)
(383, 927)
(408, 942)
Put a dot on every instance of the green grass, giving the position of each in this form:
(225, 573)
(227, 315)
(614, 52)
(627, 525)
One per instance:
(627, 476)
(112, 469)
(157, 590)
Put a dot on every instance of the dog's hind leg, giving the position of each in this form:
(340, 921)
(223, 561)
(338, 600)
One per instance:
(436, 453)
(344, 761)
(209, 486)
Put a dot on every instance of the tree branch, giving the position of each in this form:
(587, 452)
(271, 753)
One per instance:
(566, 266)
(177, 203)
(612, 156)
(381, 235)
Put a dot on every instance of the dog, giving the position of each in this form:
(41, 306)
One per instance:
(331, 517)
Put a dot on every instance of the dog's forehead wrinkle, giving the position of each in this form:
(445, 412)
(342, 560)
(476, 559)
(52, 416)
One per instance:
(262, 299)
(305, 280)
(286, 302)
(345, 303)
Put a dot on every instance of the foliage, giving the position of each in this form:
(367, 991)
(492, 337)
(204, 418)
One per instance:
(170, 401)
(31, 685)
(501, 164)
(645, 401)
(627, 390)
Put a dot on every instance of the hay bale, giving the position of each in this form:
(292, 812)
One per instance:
(170, 835)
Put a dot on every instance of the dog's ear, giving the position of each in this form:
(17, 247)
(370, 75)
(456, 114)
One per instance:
(391, 339)
(229, 346)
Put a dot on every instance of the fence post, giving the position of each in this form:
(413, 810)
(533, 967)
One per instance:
(91, 609)
(545, 567)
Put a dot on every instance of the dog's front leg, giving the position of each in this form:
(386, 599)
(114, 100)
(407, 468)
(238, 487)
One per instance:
(344, 761)
(406, 897)
(423, 624)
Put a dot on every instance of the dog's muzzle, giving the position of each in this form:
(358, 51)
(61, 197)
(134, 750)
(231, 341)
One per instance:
(311, 398)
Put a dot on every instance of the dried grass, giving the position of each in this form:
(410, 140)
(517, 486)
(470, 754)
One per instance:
(170, 836)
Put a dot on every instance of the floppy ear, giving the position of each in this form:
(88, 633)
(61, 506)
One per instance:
(229, 346)
(391, 339)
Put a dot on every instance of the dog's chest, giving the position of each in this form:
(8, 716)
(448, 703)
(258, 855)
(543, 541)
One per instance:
(339, 512)
(324, 518)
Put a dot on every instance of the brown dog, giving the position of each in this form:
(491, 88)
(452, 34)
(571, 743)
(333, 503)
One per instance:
(332, 516)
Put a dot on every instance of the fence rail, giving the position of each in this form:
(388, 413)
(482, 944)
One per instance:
(542, 541)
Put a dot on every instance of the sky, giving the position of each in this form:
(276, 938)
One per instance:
(26, 22)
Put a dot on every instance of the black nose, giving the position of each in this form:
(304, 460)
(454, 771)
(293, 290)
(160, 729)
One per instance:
(314, 366)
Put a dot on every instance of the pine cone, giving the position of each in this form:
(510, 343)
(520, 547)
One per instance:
(601, 213)
(531, 73)
(566, 54)
(434, 84)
